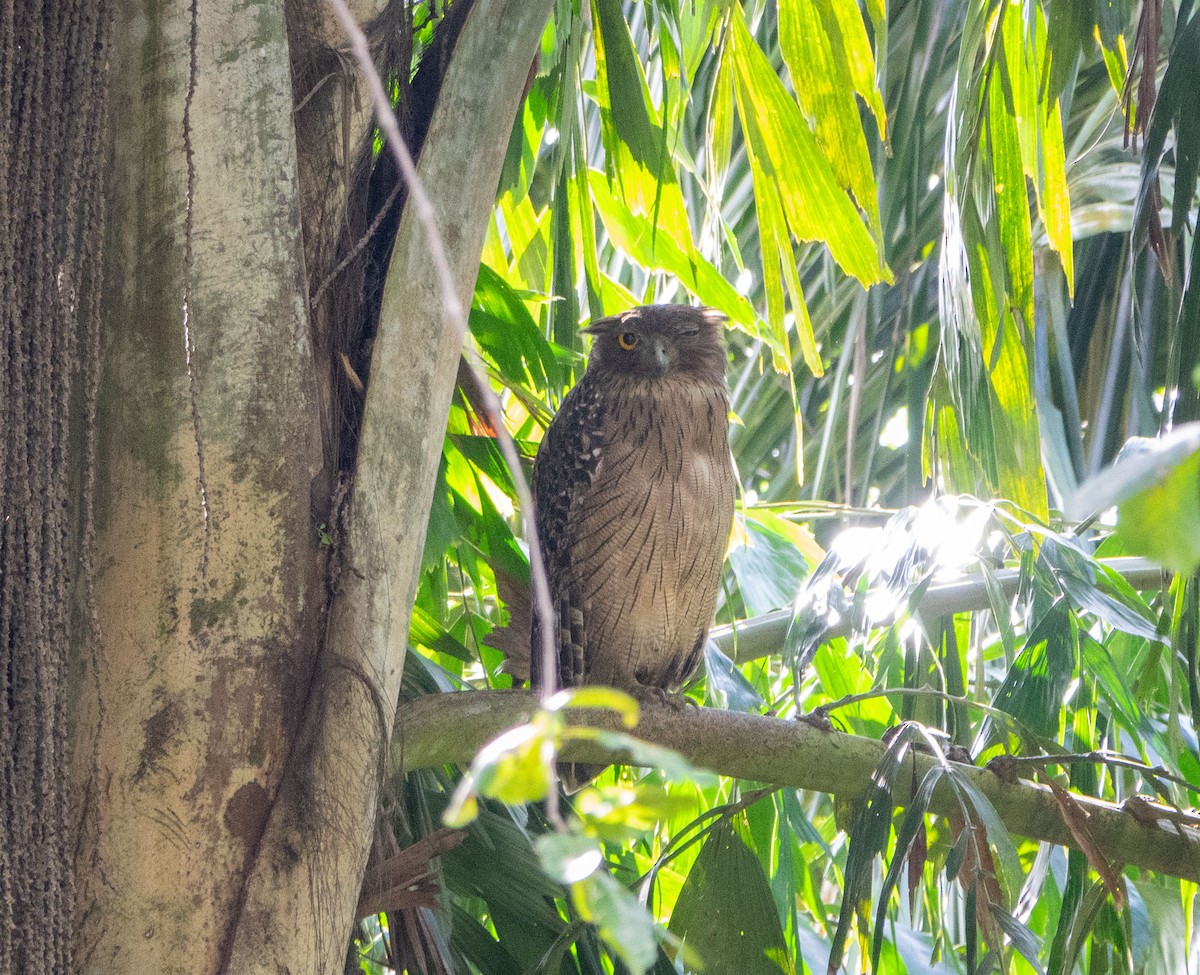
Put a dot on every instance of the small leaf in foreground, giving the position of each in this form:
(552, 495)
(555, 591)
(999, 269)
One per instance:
(568, 858)
(624, 924)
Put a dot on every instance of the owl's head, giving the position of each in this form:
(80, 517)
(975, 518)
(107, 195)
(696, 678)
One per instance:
(656, 341)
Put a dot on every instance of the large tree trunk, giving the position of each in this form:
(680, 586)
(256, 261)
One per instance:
(225, 780)
(208, 590)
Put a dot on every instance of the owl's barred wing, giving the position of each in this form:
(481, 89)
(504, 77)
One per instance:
(566, 464)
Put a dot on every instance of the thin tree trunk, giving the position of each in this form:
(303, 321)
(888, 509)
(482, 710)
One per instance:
(301, 898)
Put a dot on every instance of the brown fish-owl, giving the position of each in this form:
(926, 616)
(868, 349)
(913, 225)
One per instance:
(633, 490)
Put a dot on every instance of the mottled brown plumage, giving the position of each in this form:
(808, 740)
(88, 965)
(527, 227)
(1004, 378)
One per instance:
(634, 489)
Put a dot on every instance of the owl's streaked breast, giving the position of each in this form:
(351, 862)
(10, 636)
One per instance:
(650, 533)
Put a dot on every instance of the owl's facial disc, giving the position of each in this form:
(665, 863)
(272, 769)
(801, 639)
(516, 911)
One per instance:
(655, 341)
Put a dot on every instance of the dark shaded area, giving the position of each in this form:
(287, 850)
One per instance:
(352, 211)
(52, 118)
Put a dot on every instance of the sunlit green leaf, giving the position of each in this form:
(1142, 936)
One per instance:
(823, 84)
(720, 120)
(816, 206)
(639, 238)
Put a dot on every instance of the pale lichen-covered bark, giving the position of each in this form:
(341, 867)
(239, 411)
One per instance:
(301, 898)
(207, 563)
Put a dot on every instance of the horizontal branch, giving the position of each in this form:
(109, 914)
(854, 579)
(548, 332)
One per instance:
(764, 634)
(445, 729)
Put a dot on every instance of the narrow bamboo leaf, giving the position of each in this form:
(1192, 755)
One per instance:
(621, 88)
(1021, 81)
(1116, 61)
(1088, 597)
(851, 45)
(564, 308)
(772, 237)
(725, 912)
(817, 207)
(823, 85)
(1007, 441)
(1024, 940)
(426, 631)
(583, 229)
(878, 11)
(911, 829)
(525, 141)
(477, 943)
(1070, 29)
(1032, 691)
(804, 325)
(636, 236)
(1004, 856)
(1056, 197)
(669, 42)
(501, 324)
(720, 121)
(1012, 201)
(774, 240)
(1114, 687)
(1001, 611)
(494, 254)
(636, 148)
(869, 836)
(616, 295)
(529, 237)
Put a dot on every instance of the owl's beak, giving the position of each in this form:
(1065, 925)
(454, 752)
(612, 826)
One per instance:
(662, 357)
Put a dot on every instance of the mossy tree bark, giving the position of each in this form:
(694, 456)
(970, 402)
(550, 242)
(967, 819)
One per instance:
(226, 734)
(208, 590)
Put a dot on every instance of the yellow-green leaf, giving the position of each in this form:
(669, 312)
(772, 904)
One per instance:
(1012, 201)
(636, 236)
(816, 206)
(1056, 197)
(822, 82)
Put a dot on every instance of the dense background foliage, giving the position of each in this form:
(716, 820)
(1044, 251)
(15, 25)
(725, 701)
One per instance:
(954, 242)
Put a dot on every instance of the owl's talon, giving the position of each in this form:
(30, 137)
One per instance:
(649, 693)
(817, 718)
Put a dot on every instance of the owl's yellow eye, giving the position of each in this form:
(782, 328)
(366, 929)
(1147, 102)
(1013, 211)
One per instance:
(627, 341)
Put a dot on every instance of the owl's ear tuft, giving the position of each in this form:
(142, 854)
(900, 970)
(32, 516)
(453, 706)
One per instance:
(602, 326)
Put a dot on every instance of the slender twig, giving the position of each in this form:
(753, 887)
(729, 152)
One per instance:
(455, 318)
